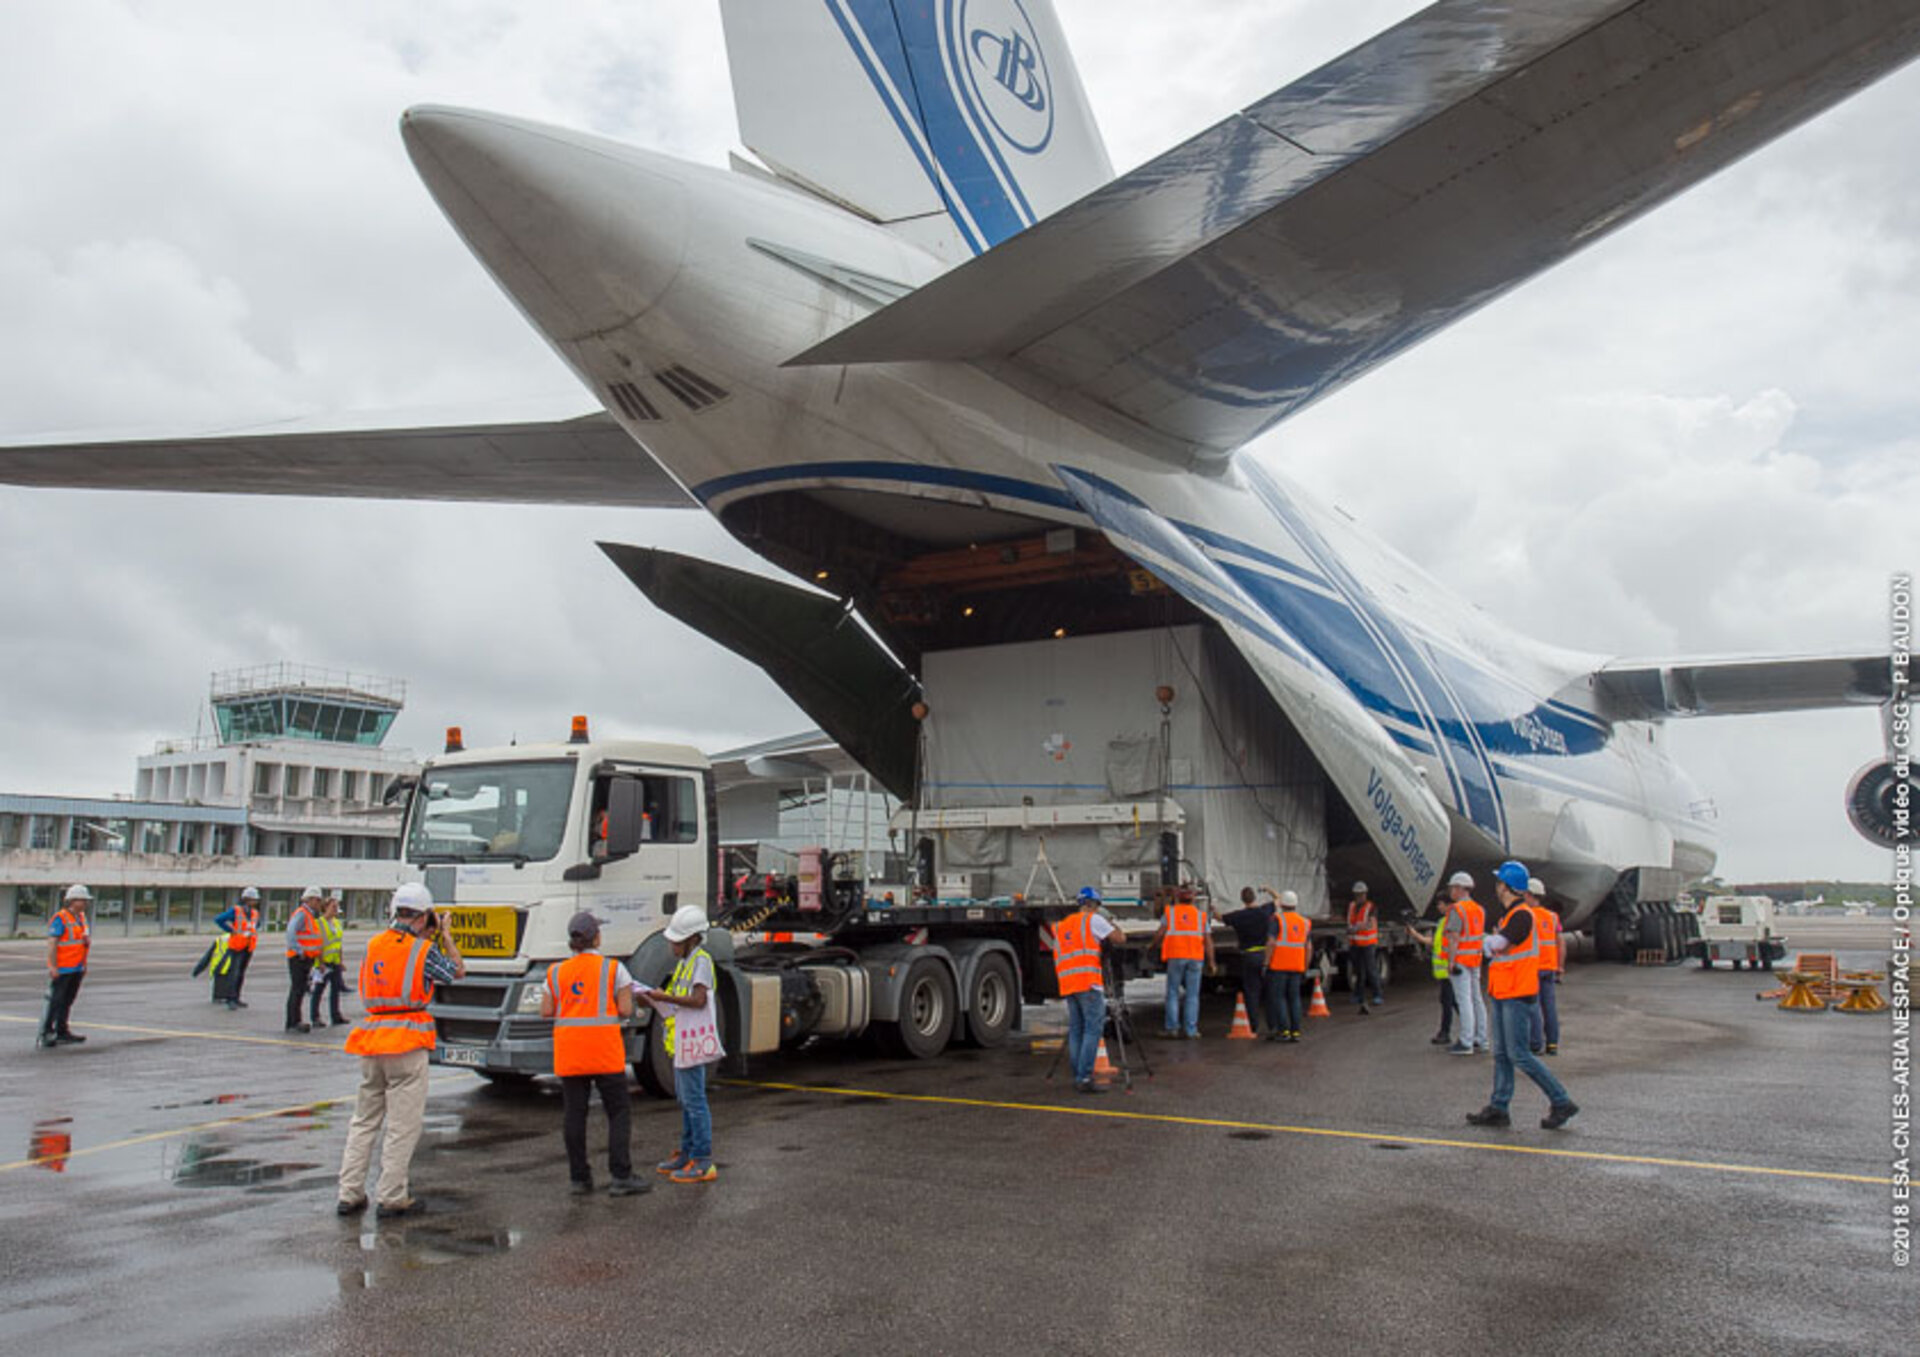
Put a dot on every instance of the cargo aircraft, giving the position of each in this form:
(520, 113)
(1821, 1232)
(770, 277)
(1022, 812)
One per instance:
(922, 350)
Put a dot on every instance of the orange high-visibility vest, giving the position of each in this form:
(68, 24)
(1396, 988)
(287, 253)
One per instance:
(394, 988)
(586, 1022)
(1466, 934)
(1546, 927)
(1515, 973)
(246, 929)
(303, 934)
(1186, 938)
(1363, 925)
(1076, 954)
(71, 950)
(1290, 945)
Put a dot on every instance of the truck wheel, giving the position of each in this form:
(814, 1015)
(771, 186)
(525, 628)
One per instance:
(993, 1002)
(653, 1071)
(926, 1013)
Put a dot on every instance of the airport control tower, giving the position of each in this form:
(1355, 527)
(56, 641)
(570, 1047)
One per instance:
(301, 702)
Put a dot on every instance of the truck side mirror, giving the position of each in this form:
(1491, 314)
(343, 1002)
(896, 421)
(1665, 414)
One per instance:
(625, 817)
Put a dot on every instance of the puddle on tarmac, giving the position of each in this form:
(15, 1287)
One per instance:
(427, 1245)
(219, 1100)
(50, 1144)
(202, 1163)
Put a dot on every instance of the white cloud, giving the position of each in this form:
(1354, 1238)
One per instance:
(1697, 437)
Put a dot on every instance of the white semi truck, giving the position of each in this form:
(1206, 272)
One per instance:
(514, 841)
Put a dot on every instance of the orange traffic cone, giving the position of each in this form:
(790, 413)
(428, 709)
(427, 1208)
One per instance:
(1241, 1027)
(1102, 1067)
(1318, 1008)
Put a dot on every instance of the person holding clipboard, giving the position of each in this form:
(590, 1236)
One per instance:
(693, 1040)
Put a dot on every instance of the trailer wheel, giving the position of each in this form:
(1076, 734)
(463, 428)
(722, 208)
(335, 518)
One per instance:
(993, 1002)
(926, 1013)
(653, 1071)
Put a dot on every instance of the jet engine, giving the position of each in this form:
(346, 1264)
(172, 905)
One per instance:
(1881, 804)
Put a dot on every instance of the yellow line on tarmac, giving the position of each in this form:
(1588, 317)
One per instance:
(168, 1135)
(203, 1036)
(1331, 1133)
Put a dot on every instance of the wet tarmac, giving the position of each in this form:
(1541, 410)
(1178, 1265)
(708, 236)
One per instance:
(169, 1187)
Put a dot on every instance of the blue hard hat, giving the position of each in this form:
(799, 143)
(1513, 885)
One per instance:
(1089, 893)
(1513, 875)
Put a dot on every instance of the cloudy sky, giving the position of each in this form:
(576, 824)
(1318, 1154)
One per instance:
(1700, 437)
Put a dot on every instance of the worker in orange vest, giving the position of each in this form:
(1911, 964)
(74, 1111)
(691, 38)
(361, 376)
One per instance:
(304, 945)
(69, 939)
(1076, 964)
(241, 923)
(397, 977)
(1513, 982)
(1286, 969)
(1363, 946)
(590, 997)
(1543, 1034)
(1466, 949)
(1185, 936)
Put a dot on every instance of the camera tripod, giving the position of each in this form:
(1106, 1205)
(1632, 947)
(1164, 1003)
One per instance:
(1119, 1025)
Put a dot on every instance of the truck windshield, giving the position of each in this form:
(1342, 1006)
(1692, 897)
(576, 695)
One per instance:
(485, 812)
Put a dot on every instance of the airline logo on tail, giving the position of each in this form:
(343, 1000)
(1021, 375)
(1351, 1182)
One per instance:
(1004, 67)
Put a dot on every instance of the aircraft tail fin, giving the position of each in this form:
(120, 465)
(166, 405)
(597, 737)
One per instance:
(959, 122)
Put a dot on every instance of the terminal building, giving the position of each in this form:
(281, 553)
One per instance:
(285, 793)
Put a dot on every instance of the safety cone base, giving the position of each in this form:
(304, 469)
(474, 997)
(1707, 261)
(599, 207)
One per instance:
(1318, 1008)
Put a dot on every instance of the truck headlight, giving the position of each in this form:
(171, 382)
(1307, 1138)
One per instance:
(530, 999)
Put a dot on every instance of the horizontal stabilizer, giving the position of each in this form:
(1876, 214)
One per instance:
(1279, 255)
(1634, 690)
(589, 460)
(811, 645)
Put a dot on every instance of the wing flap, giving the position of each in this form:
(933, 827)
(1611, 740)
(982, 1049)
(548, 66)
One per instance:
(1742, 687)
(1277, 256)
(590, 460)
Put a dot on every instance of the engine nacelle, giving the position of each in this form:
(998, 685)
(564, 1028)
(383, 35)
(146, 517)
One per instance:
(1882, 805)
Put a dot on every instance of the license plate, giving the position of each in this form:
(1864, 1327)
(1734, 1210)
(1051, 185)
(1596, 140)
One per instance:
(484, 930)
(471, 1056)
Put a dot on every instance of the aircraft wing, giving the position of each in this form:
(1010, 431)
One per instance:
(1209, 294)
(1656, 689)
(589, 460)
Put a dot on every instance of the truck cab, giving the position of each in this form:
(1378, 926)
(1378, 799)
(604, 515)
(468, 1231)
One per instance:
(514, 841)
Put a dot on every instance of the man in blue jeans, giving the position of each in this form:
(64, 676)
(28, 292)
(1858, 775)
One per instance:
(1185, 937)
(1076, 964)
(1513, 983)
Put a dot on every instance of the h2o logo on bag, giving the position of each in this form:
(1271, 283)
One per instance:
(994, 45)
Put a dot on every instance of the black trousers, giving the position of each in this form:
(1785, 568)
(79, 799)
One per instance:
(1364, 974)
(331, 986)
(618, 1104)
(60, 997)
(1447, 1007)
(299, 971)
(233, 974)
(1253, 984)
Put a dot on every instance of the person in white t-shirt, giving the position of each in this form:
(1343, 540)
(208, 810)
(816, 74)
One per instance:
(693, 1039)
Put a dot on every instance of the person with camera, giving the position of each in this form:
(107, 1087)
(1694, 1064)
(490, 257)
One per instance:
(304, 945)
(1076, 964)
(397, 979)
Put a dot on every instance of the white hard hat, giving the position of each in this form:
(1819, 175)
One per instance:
(250, 893)
(1534, 886)
(313, 893)
(687, 920)
(1359, 888)
(1461, 879)
(1289, 900)
(412, 898)
(78, 892)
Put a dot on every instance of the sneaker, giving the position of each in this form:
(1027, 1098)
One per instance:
(1459, 1048)
(44, 1040)
(1439, 1039)
(628, 1187)
(1557, 1116)
(1276, 1036)
(580, 1187)
(1193, 1036)
(1489, 1116)
(695, 1171)
(352, 1208)
(1090, 1088)
(231, 1005)
(1363, 1010)
(411, 1207)
(1482, 1050)
(1553, 1048)
(241, 1003)
(669, 1167)
(299, 1027)
(70, 1039)
(1169, 1033)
